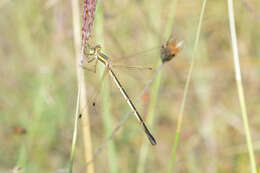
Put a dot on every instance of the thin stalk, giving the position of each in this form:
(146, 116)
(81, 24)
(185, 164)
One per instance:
(106, 100)
(75, 132)
(82, 92)
(85, 122)
(187, 85)
(155, 15)
(240, 85)
(170, 20)
(150, 120)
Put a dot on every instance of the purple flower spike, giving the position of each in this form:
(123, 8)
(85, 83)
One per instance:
(89, 8)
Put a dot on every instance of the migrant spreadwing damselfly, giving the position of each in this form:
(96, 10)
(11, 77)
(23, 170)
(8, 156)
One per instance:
(96, 55)
(168, 51)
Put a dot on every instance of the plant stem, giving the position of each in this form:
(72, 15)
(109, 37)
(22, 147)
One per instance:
(240, 85)
(187, 85)
(82, 92)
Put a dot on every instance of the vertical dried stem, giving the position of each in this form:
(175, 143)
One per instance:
(240, 85)
(88, 18)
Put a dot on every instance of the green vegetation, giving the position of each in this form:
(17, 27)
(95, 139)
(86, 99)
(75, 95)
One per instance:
(206, 132)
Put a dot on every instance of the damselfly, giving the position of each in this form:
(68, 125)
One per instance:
(96, 55)
(168, 51)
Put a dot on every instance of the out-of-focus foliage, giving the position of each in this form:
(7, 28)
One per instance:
(38, 86)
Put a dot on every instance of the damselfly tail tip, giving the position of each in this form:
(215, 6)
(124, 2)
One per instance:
(149, 135)
(152, 140)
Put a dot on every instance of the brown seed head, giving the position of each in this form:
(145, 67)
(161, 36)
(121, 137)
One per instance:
(170, 49)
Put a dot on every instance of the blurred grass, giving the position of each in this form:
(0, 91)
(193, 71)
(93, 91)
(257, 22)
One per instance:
(186, 89)
(76, 35)
(105, 93)
(38, 84)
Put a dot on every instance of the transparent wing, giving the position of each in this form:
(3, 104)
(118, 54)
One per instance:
(133, 72)
(137, 69)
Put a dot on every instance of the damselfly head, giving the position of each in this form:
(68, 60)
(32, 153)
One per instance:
(97, 48)
(92, 50)
(170, 49)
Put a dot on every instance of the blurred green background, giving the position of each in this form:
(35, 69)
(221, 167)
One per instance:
(39, 84)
